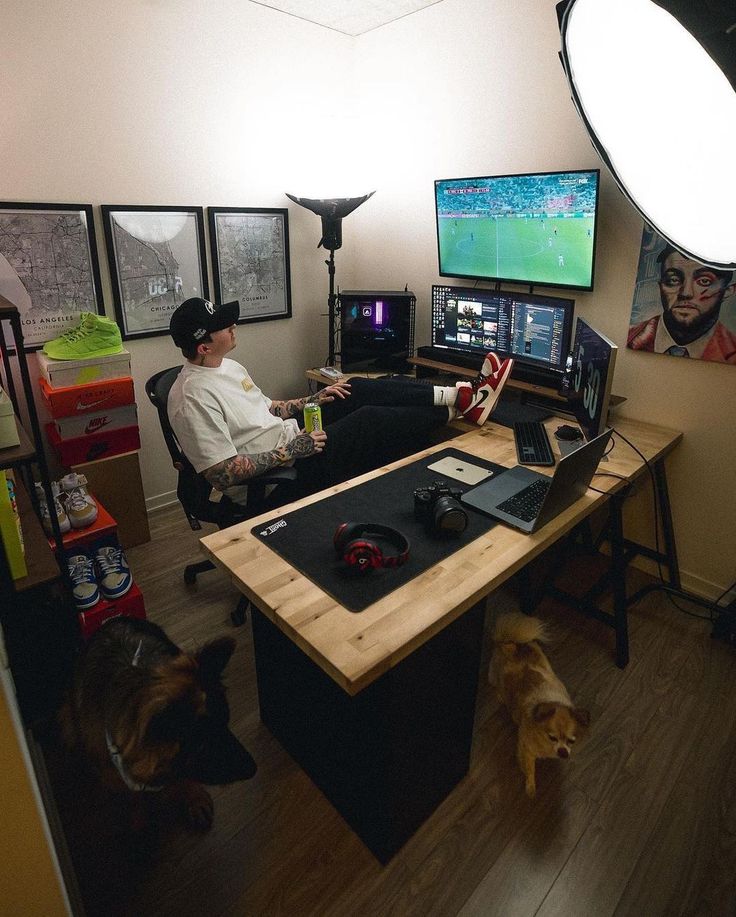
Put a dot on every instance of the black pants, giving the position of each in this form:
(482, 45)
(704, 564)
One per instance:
(381, 420)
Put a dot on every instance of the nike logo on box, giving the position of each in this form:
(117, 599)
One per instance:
(84, 405)
(97, 423)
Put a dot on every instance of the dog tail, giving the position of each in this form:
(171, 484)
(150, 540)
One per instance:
(519, 628)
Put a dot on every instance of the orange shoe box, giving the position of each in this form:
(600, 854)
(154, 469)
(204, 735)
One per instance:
(95, 446)
(130, 605)
(86, 399)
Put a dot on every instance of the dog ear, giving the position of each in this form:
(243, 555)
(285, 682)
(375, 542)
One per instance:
(543, 712)
(213, 658)
(581, 716)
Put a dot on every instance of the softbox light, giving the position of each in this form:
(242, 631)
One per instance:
(653, 84)
(332, 211)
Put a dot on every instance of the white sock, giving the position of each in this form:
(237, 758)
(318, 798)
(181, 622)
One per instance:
(444, 395)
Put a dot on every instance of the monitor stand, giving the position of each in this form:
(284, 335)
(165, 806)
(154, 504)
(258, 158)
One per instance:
(511, 408)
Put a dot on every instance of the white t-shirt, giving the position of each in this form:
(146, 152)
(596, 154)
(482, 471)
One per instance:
(219, 412)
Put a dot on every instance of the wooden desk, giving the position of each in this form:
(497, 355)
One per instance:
(378, 707)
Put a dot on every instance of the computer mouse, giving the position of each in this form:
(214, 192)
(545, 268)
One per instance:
(568, 433)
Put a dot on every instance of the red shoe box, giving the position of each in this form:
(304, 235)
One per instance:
(87, 424)
(104, 524)
(82, 449)
(130, 605)
(85, 399)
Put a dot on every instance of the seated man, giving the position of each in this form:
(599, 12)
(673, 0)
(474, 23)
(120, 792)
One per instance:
(231, 432)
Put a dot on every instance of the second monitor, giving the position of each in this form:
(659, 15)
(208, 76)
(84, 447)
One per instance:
(534, 330)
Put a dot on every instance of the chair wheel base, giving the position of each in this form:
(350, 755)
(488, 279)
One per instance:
(190, 578)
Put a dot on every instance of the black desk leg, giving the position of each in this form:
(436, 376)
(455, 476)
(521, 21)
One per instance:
(668, 529)
(386, 757)
(618, 580)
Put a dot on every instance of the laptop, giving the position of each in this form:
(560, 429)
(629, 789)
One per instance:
(527, 499)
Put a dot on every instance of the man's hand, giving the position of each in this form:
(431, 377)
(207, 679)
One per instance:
(307, 443)
(330, 392)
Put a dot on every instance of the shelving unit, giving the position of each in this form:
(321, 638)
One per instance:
(37, 616)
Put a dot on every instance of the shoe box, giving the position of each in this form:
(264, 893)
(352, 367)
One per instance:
(80, 449)
(103, 525)
(130, 605)
(89, 424)
(88, 398)
(8, 428)
(62, 373)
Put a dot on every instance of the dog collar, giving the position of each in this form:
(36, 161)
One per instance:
(117, 760)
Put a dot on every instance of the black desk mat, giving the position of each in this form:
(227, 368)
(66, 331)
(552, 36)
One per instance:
(304, 537)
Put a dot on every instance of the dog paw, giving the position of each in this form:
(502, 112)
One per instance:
(198, 807)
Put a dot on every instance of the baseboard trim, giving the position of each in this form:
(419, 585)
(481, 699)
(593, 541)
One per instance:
(160, 501)
(690, 582)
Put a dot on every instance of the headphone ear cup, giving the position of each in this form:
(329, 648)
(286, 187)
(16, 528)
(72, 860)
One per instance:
(344, 534)
(362, 556)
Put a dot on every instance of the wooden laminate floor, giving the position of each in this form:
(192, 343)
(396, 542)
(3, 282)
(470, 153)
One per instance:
(641, 823)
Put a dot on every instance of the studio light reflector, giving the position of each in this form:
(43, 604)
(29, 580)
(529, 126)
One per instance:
(661, 111)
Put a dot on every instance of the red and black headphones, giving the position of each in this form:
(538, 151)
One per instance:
(363, 555)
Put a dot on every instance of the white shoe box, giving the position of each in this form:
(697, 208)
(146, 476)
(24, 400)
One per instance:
(87, 424)
(8, 427)
(60, 373)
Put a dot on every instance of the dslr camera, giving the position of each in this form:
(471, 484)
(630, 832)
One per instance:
(438, 508)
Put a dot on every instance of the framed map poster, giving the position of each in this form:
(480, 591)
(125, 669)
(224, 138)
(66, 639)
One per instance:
(250, 260)
(49, 267)
(157, 260)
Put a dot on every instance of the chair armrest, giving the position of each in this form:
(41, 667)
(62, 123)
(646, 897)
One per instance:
(275, 476)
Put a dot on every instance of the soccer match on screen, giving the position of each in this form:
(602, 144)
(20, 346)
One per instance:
(526, 228)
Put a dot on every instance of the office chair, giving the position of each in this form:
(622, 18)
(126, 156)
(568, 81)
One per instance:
(193, 490)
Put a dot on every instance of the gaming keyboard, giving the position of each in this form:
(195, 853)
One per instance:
(526, 504)
(532, 443)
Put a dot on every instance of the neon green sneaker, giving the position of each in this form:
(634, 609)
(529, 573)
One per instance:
(94, 336)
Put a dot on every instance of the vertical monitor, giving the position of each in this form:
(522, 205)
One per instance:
(587, 383)
(535, 228)
(535, 330)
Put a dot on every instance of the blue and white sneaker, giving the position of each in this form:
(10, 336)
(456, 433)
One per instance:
(115, 576)
(85, 589)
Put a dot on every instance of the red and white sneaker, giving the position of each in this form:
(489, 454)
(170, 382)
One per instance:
(476, 400)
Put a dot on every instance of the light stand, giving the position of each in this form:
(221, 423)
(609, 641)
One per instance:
(331, 211)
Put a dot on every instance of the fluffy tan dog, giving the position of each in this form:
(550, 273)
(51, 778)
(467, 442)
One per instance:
(549, 724)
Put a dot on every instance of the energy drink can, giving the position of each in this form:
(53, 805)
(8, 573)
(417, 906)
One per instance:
(312, 417)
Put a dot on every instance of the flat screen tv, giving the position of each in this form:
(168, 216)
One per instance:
(537, 228)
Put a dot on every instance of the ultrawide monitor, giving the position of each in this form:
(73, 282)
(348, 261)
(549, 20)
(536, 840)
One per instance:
(537, 228)
(587, 383)
(533, 329)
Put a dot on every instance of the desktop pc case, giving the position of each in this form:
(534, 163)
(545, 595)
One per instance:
(376, 330)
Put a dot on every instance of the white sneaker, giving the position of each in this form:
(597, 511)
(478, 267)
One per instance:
(80, 507)
(63, 519)
(85, 589)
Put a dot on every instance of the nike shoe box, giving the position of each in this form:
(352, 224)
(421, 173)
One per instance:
(93, 397)
(130, 605)
(60, 373)
(88, 424)
(94, 446)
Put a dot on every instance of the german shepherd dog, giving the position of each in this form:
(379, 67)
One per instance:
(152, 719)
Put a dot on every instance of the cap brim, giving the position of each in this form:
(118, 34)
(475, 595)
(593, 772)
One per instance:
(226, 315)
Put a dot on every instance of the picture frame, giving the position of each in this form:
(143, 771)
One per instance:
(250, 260)
(49, 267)
(157, 259)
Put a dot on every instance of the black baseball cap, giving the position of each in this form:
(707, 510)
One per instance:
(196, 318)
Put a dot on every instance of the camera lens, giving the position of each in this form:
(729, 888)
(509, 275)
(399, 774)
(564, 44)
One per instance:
(449, 516)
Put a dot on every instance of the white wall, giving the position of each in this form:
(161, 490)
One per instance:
(229, 103)
(177, 102)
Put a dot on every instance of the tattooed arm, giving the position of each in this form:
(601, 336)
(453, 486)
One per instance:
(295, 406)
(239, 468)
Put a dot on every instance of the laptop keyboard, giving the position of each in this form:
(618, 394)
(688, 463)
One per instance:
(532, 443)
(526, 504)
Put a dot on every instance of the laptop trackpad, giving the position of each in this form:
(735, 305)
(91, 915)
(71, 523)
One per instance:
(489, 494)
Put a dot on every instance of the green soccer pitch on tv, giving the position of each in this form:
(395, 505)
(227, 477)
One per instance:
(536, 228)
